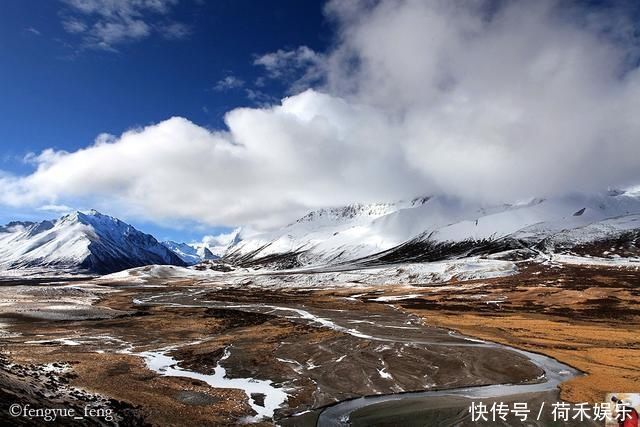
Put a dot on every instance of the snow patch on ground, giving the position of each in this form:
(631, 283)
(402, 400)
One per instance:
(409, 274)
(384, 374)
(395, 298)
(142, 274)
(606, 262)
(275, 397)
(61, 341)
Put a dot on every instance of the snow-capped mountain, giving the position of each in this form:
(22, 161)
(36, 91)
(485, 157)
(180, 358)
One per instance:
(190, 254)
(204, 252)
(216, 244)
(436, 227)
(326, 235)
(423, 229)
(80, 242)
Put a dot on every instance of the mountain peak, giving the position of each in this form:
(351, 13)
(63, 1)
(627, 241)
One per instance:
(90, 217)
(82, 241)
(190, 253)
(363, 210)
(95, 214)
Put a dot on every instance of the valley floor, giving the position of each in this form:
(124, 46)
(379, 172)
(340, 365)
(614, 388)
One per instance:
(587, 317)
(174, 349)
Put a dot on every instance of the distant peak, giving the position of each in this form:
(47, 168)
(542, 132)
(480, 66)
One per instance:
(420, 200)
(96, 214)
(353, 210)
(73, 216)
(90, 217)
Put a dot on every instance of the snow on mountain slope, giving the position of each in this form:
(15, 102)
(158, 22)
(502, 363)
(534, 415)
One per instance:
(471, 268)
(82, 242)
(214, 246)
(190, 254)
(357, 231)
(424, 229)
(205, 251)
(327, 234)
(600, 230)
(186, 253)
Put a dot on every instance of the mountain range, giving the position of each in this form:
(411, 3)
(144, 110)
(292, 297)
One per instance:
(190, 254)
(422, 229)
(80, 242)
(436, 228)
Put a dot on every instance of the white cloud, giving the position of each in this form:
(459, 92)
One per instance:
(229, 82)
(260, 98)
(104, 24)
(281, 61)
(217, 244)
(223, 239)
(271, 166)
(419, 98)
(175, 30)
(109, 34)
(55, 208)
(33, 31)
(74, 26)
(301, 67)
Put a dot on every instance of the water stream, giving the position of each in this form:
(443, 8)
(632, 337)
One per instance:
(554, 373)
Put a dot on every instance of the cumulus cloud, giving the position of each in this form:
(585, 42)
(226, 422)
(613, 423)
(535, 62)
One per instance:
(486, 103)
(271, 165)
(527, 98)
(104, 24)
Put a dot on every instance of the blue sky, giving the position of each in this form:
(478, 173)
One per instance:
(58, 93)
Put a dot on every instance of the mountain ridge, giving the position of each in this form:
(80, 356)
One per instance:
(440, 224)
(87, 242)
(423, 229)
(190, 253)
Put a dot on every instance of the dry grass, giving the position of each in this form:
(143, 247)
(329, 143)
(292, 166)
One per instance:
(608, 354)
(586, 317)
